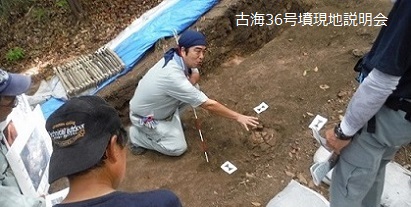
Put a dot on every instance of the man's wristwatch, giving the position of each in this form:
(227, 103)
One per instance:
(339, 133)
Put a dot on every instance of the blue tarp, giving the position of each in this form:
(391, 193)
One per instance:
(178, 17)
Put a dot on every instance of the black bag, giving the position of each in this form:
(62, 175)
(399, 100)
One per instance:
(360, 69)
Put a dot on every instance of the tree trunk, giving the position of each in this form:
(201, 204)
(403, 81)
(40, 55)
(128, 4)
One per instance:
(76, 8)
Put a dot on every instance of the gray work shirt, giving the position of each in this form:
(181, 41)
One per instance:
(163, 89)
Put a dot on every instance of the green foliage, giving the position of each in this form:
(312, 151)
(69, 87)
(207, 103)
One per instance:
(15, 54)
(62, 4)
(39, 14)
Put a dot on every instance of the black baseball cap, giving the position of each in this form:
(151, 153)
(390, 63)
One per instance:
(80, 131)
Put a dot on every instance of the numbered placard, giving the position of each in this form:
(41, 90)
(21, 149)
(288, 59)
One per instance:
(260, 108)
(318, 123)
(228, 167)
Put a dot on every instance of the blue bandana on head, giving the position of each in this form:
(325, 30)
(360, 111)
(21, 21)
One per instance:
(188, 39)
(191, 38)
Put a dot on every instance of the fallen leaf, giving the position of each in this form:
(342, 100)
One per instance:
(249, 175)
(256, 203)
(341, 94)
(302, 179)
(324, 86)
(290, 174)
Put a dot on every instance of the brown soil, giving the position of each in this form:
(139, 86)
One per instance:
(49, 33)
(283, 74)
(301, 72)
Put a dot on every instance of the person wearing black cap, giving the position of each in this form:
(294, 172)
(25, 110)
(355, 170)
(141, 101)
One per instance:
(11, 85)
(89, 142)
(377, 121)
(164, 91)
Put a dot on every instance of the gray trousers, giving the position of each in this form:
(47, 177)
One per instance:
(167, 138)
(358, 177)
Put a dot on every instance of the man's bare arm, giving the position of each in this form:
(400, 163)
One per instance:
(221, 110)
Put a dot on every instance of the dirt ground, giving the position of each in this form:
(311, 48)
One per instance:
(303, 72)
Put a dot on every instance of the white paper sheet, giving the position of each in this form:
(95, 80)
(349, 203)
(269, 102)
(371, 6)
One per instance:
(29, 155)
(297, 195)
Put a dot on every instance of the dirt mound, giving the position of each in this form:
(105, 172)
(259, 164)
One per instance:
(298, 71)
